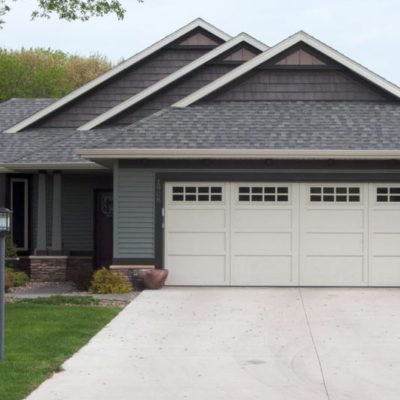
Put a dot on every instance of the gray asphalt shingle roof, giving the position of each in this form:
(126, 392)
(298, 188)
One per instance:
(269, 125)
(15, 110)
(245, 125)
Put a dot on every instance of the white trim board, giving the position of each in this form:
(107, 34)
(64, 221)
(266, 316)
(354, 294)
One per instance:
(277, 49)
(242, 37)
(197, 23)
(134, 153)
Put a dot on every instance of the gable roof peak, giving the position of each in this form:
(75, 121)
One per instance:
(197, 23)
(285, 44)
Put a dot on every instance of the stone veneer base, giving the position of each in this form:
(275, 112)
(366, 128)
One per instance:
(61, 268)
(127, 270)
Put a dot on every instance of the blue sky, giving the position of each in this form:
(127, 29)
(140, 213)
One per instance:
(366, 30)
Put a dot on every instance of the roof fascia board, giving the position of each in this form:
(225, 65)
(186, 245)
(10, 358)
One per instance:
(197, 23)
(134, 153)
(51, 165)
(242, 37)
(277, 49)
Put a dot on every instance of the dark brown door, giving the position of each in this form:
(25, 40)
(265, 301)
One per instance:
(103, 228)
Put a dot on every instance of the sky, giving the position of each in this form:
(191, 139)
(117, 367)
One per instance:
(368, 31)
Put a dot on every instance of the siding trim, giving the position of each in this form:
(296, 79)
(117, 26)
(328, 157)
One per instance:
(241, 38)
(197, 23)
(279, 48)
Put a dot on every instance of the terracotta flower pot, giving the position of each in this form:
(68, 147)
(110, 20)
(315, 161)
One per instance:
(154, 278)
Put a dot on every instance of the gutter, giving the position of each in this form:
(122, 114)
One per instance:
(51, 165)
(243, 154)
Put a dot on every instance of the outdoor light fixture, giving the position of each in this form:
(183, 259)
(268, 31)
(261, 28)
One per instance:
(5, 220)
(5, 227)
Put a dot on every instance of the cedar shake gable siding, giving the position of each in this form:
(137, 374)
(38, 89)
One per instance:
(131, 81)
(186, 85)
(300, 73)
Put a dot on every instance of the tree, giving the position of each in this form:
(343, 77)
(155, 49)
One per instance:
(71, 10)
(46, 73)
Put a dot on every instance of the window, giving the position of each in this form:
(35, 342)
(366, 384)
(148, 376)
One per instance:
(197, 193)
(19, 206)
(388, 194)
(269, 194)
(332, 194)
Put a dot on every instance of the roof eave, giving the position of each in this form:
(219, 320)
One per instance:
(135, 153)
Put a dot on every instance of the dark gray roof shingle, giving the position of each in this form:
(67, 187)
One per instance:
(268, 125)
(15, 110)
(234, 125)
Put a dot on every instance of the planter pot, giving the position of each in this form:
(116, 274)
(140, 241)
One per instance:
(153, 278)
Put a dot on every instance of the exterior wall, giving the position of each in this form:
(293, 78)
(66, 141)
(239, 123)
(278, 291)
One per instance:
(122, 87)
(77, 209)
(171, 95)
(298, 84)
(189, 84)
(134, 218)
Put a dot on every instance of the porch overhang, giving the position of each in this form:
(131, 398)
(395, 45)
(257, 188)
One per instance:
(102, 155)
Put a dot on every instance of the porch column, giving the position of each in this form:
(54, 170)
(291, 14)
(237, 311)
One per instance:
(56, 241)
(41, 240)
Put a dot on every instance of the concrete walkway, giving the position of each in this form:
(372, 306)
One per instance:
(241, 343)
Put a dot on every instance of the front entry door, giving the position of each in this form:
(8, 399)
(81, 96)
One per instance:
(103, 228)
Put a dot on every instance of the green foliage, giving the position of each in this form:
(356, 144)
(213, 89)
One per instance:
(39, 338)
(71, 10)
(11, 250)
(15, 278)
(8, 282)
(105, 282)
(64, 300)
(39, 72)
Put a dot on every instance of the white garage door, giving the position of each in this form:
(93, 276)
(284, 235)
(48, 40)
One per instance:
(285, 234)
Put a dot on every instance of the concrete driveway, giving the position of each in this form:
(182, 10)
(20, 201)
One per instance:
(241, 343)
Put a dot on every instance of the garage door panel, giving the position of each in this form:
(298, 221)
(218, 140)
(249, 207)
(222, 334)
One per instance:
(336, 220)
(202, 219)
(334, 244)
(202, 270)
(259, 271)
(197, 243)
(262, 219)
(261, 243)
(332, 271)
(385, 271)
(386, 244)
(385, 221)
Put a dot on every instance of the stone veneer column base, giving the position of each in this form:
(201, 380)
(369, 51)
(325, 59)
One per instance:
(48, 268)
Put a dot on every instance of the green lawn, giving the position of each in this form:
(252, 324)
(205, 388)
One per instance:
(40, 337)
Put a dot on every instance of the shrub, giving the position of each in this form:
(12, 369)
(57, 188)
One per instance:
(11, 250)
(8, 282)
(105, 282)
(15, 279)
(19, 278)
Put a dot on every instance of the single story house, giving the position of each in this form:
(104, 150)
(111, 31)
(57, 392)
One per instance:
(222, 159)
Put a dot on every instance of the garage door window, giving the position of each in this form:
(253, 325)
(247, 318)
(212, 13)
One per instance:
(331, 194)
(263, 194)
(196, 193)
(388, 194)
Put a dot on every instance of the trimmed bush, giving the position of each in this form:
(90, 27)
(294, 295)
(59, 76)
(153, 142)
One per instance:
(8, 282)
(19, 278)
(106, 282)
